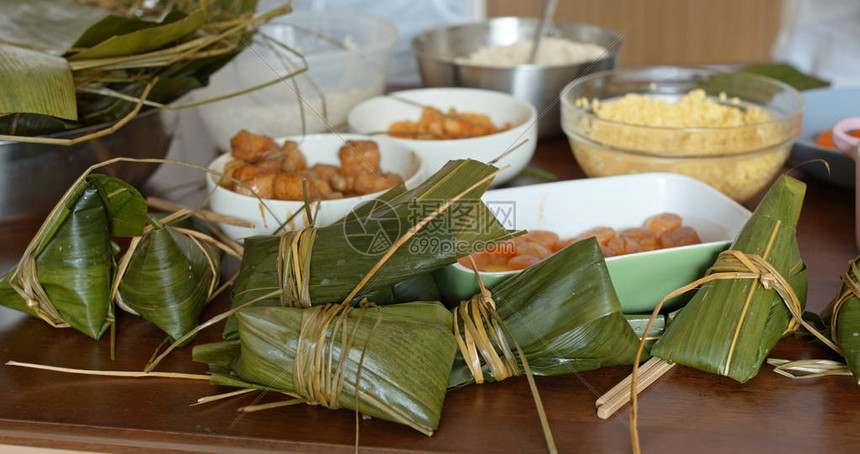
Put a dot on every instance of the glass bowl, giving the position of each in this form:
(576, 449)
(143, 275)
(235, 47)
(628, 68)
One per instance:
(737, 160)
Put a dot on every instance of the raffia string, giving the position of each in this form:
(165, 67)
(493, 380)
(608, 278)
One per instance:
(294, 267)
(110, 373)
(317, 379)
(750, 266)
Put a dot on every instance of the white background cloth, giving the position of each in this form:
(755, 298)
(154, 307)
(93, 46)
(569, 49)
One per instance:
(411, 17)
(822, 37)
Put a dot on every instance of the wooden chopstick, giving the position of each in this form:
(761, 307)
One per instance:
(619, 395)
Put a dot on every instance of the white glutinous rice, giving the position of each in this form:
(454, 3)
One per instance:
(552, 52)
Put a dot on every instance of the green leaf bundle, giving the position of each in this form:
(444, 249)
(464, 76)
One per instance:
(339, 256)
(66, 273)
(158, 51)
(842, 317)
(564, 314)
(731, 324)
(171, 275)
(389, 362)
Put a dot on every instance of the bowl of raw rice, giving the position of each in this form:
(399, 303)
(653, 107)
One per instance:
(733, 131)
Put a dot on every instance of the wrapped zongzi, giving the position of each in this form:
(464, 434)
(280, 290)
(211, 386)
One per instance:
(563, 312)
(323, 265)
(754, 294)
(842, 316)
(398, 357)
(170, 274)
(65, 274)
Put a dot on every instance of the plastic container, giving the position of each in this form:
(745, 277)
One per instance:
(347, 62)
(738, 160)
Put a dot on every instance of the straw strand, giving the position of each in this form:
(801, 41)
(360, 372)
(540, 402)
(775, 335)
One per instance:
(294, 267)
(731, 264)
(483, 308)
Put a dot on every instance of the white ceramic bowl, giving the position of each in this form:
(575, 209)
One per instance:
(570, 208)
(319, 148)
(376, 114)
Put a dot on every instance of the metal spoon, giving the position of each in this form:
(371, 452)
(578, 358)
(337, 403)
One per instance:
(545, 18)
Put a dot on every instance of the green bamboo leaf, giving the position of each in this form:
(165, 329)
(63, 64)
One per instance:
(143, 40)
(730, 326)
(75, 266)
(849, 335)
(786, 73)
(218, 355)
(36, 82)
(343, 253)
(24, 124)
(126, 207)
(419, 288)
(404, 371)
(564, 314)
(639, 321)
(847, 320)
(168, 279)
(110, 26)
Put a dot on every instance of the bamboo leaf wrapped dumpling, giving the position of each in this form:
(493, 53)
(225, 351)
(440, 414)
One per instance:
(398, 357)
(66, 272)
(842, 316)
(731, 324)
(323, 265)
(171, 275)
(563, 312)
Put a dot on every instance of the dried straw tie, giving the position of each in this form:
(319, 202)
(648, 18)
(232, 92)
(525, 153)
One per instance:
(294, 267)
(476, 342)
(730, 265)
(480, 311)
(851, 289)
(813, 368)
(317, 378)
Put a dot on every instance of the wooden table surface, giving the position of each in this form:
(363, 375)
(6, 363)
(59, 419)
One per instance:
(686, 411)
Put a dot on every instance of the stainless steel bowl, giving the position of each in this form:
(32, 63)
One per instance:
(34, 176)
(437, 51)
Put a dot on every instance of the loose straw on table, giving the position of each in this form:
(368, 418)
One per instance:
(813, 368)
(110, 373)
(619, 395)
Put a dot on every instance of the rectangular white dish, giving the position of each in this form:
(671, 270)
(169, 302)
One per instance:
(572, 207)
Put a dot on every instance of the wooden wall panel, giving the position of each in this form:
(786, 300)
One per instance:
(672, 31)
